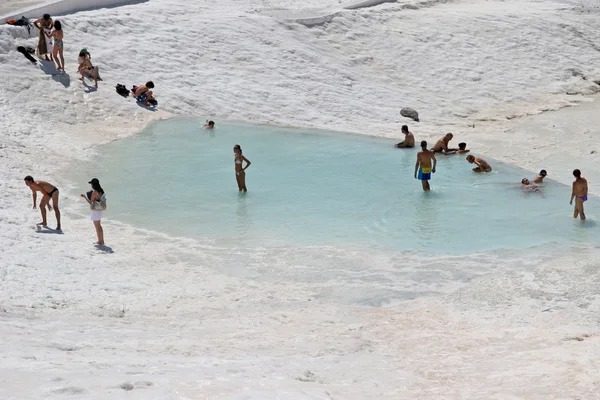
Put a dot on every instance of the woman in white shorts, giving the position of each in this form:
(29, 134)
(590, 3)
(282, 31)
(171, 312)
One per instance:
(97, 203)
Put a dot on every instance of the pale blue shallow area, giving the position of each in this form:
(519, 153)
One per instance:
(314, 188)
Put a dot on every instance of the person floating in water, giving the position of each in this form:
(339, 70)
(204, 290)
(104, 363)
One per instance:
(528, 186)
(539, 178)
(209, 124)
(240, 170)
(580, 192)
(442, 145)
(423, 168)
(482, 165)
(49, 192)
(409, 139)
(462, 148)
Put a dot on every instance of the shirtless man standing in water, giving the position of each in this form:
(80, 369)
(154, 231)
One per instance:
(49, 192)
(580, 191)
(423, 166)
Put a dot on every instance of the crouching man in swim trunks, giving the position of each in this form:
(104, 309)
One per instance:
(49, 192)
(423, 169)
(580, 191)
(143, 94)
(482, 165)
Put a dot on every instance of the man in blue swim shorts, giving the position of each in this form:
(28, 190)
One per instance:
(580, 192)
(423, 168)
(143, 94)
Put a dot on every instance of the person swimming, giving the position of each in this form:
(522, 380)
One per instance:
(528, 186)
(462, 148)
(539, 178)
(209, 124)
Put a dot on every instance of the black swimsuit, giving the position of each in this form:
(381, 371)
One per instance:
(52, 192)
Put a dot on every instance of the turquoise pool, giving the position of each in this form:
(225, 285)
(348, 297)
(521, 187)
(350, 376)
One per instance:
(315, 188)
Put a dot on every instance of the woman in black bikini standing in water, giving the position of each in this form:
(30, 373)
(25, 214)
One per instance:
(240, 170)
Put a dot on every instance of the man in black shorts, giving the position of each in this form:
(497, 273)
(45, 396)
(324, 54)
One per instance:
(49, 192)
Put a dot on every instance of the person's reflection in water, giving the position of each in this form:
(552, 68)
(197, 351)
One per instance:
(243, 223)
(425, 220)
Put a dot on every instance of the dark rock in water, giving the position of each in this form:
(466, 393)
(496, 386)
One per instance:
(410, 113)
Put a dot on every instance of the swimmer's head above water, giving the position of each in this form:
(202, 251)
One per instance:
(462, 146)
(424, 144)
(525, 181)
(404, 128)
(470, 159)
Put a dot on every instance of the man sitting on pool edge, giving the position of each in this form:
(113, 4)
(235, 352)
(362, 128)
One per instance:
(409, 139)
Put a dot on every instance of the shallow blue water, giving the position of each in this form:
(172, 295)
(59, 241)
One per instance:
(317, 188)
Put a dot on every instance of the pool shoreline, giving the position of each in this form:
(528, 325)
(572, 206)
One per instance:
(186, 133)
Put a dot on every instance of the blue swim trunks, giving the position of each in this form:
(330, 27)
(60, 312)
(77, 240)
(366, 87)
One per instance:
(142, 97)
(424, 174)
(583, 198)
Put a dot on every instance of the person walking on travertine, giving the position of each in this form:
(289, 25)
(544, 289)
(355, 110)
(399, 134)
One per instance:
(49, 192)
